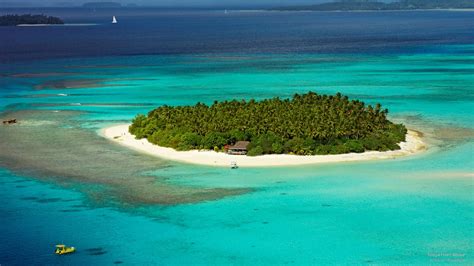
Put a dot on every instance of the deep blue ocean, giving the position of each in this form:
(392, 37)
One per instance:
(144, 32)
(61, 182)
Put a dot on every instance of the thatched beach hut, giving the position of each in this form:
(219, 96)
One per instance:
(239, 148)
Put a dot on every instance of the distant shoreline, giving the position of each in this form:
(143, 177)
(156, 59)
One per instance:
(9, 20)
(367, 10)
(348, 11)
(119, 134)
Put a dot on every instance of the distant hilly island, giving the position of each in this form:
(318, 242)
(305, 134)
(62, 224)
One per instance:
(354, 5)
(29, 19)
(102, 5)
(106, 5)
(65, 4)
(330, 5)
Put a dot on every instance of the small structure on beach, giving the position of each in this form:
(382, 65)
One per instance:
(239, 148)
(9, 121)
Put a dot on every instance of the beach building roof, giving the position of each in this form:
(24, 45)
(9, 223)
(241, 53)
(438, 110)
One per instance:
(240, 145)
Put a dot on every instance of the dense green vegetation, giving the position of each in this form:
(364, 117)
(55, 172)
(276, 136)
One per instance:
(13, 20)
(347, 5)
(306, 124)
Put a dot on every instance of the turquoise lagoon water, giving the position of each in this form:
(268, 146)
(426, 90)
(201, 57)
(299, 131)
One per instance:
(414, 210)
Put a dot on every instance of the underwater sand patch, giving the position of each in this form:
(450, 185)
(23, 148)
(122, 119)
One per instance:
(454, 133)
(444, 175)
(440, 135)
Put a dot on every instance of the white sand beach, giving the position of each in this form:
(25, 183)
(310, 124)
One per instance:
(119, 134)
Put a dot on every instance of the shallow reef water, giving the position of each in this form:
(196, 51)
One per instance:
(61, 182)
(50, 145)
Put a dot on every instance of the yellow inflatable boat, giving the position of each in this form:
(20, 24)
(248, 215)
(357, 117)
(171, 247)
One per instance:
(62, 249)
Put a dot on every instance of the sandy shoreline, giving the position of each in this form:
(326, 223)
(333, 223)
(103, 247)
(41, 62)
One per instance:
(119, 134)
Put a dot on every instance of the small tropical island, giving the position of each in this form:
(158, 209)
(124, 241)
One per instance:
(29, 19)
(305, 129)
(308, 124)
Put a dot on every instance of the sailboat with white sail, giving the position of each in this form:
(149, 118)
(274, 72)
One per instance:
(114, 20)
